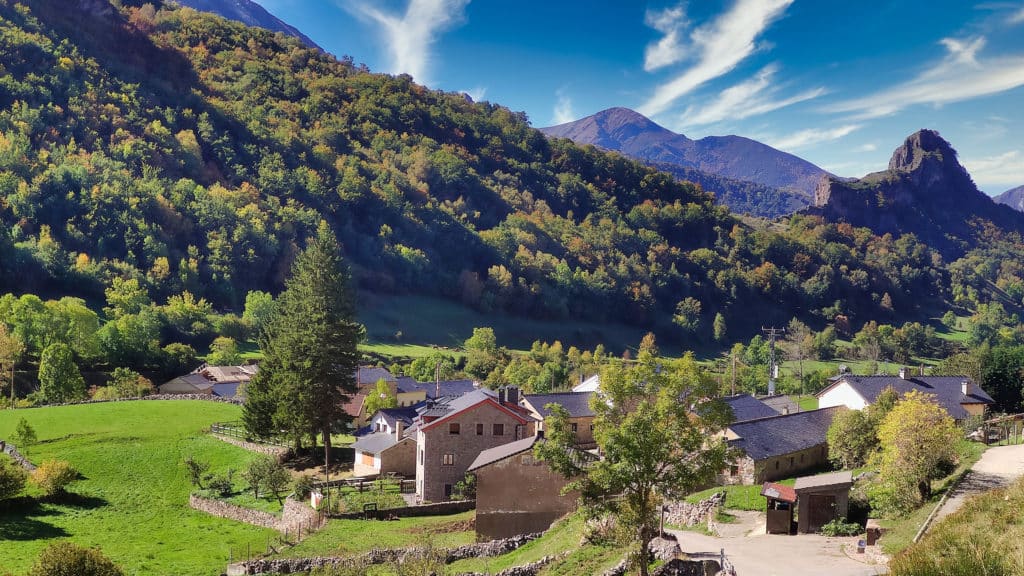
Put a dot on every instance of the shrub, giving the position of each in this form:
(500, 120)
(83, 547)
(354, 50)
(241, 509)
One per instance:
(840, 527)
(222, 485)
(195, 470)
(12, 478)
(53, 476)
(303, 487)
(67, 559)
(25, 435)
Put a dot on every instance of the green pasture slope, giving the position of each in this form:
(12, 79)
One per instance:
(132, 500)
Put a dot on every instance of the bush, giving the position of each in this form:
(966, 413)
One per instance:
(195, 470)
(12, 478)
(222, 485)
(303, 487)
(840, 527)
(53, 476)
(67, 559)
(24, 435)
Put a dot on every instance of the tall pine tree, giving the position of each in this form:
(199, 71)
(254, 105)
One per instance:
(309, 350)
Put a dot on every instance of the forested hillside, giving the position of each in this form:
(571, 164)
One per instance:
(191, 154)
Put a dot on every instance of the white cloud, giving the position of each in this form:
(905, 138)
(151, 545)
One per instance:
(869, 147)
(805, 138)
(669, 49)
(477, 94)
(961, 75)
(1005, 170)
(1018, 17)
(746, 99)
(563, 108)
(719, 46)
(409, 36)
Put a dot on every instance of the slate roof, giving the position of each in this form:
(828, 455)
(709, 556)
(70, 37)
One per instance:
(746, 407)
(492, 455)
(375, 443)
(226, 389)
(946, 389)
(369, 375)
(467, 401)
(449, 388)
(782, 404)
(407, 384)
(783, 434)
(823, 480)
(576, 403)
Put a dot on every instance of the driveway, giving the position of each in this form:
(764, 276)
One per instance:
(754, 553)
(998, 467)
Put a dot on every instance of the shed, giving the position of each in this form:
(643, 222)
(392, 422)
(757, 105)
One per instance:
(781, 501)
(821, 499)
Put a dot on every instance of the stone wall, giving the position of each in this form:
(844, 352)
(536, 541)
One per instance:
(439, 509)
(225, 510)
(280, 453)
(206, 397)
(381, 556)
(12, 451)
(687, 514)
(519, 495)
(297, 516)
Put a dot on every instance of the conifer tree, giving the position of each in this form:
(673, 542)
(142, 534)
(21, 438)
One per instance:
(309, 350)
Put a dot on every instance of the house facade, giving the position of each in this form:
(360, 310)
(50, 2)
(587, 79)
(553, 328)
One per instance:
(577, 404)
(778, 447)
(516, 493)
(959, 395)
(449, 438)
(222, 381)
(383, 453)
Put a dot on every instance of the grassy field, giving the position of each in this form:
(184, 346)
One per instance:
(132, 500)
(425, 321)
(986, 536)
(347, 537)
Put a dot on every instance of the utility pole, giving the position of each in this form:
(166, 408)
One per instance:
(773, 368)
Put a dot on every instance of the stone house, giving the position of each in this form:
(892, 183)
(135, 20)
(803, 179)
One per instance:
(746, 407)
(382, 453)
(959, 395)
(222, 381)
(577, 404)
(516, 493)
(450, 436)
(777, 447)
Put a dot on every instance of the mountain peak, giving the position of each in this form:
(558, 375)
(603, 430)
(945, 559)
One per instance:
(920, 146)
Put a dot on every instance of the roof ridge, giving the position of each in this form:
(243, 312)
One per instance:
(785, 415)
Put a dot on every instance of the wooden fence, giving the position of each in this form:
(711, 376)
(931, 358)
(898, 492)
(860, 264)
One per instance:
(236, 429)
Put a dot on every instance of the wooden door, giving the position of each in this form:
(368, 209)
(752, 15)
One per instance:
(820, 510)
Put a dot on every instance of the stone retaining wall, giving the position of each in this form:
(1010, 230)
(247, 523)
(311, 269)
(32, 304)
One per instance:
(382, 556)
(439, 509)
(225, 510)
(687, 514)
(12, 451)
(280, 453)
(206, 397)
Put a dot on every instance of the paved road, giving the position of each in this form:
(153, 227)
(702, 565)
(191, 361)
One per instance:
(998, 467)
(755, 553)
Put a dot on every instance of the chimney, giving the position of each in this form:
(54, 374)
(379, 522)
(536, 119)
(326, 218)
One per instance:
(399, 429)
(965, 387)
(904, 374)
(512, 395)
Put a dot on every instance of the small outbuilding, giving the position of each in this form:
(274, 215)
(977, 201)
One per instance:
(821, 499)
(779, 511)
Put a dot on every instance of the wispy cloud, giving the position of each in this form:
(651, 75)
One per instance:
(1018, 17)
(961, 75)
(1004, 170)
(869, 147)
(805, 138)
(669, 49)
(563, 108)
(409, 36)
(477, 94)
(718, 47)
(750, 98)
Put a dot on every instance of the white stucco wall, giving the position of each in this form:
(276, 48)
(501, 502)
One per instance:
(842, 395)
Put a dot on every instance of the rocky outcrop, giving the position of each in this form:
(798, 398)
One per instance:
(1014, 198)
(925, 191)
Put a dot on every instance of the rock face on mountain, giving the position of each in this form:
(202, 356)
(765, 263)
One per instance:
(1014, 198)
(249, 13)
(925, 191)
(634, 135)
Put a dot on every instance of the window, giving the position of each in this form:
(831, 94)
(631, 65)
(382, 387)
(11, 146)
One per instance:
(448, 460)
(801, 458)
(790, 461)
(574, 427)
(479, 428)
(734, 470)
(498, 429)
(447, 491)
(776, 464)
(453, 428)
(591, 427)
(421, 456)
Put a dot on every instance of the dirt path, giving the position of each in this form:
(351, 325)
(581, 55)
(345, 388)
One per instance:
(997, 468)
(755, 553)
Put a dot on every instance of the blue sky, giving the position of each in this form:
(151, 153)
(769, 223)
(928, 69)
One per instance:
(831, 81)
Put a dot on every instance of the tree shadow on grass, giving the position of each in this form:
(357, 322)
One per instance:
(19, 521)
(74, 500)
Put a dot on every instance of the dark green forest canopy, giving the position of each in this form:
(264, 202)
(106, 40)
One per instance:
(191, 153)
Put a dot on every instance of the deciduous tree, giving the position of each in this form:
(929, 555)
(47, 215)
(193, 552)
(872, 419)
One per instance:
(59, 378)
(381, 397)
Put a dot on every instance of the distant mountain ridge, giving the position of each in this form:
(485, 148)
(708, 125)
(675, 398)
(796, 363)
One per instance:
(734, 157)
(249, 13)
(924, 191)
(1014, 198)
